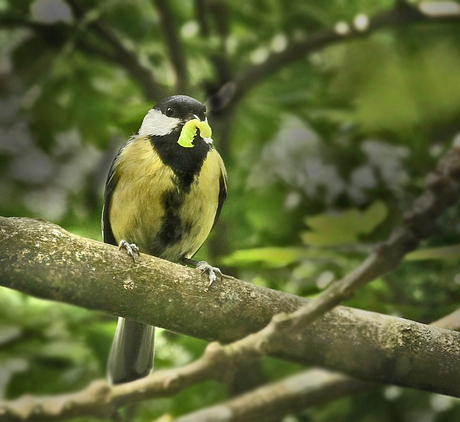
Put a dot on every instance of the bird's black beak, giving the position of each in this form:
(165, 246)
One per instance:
(191, 116)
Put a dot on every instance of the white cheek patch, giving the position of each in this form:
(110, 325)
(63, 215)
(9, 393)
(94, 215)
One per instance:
(156, 123)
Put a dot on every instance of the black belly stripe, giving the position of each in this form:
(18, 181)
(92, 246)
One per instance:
(186, 163)
(173, 228)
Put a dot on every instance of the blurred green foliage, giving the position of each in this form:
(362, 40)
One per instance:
(346, 227)
(323, 156)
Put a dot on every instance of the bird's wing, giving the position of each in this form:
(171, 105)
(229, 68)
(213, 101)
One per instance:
(222, 190)
(110, 185)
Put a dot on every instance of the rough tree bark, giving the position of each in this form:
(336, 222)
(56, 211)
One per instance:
(44, 260)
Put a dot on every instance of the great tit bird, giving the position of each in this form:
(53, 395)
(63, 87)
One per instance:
(164, 193)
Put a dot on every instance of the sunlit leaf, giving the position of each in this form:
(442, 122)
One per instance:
(9, 333)
(339, 228)
(271, 256)
(443, 252)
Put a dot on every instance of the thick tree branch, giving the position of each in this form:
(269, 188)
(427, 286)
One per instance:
(45, 261)
(176, 53)
(403, 14)
(35, 257)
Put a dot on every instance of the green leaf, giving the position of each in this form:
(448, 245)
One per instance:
(272, 256)
(443, 252)
(9, 333)
(340, 228)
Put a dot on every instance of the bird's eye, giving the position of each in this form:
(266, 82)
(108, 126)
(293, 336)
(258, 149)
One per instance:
(170, 112)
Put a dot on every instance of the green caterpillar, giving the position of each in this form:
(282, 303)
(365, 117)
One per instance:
(189, 130)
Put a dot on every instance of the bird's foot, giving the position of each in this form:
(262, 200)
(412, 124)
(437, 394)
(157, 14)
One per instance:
(213, 272)
(131, 249)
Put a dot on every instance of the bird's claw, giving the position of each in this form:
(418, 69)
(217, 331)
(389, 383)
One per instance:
(213, 272)
(131, 249)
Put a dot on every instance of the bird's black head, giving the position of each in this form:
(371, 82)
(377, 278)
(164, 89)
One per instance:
(170, 115)
(164, 123)
(181, 107)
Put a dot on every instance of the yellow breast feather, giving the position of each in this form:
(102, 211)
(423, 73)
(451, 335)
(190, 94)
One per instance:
(136, 208)
(203, 201)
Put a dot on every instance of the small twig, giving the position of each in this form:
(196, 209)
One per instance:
(121, 54)
(117, 52)
(176, 53)
(294, 394)
(402, 14)
(442, 191)
(56, 31)
(101, 400)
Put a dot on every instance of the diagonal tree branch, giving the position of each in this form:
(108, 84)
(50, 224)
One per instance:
(294, 394)
(443, 187)
(272, 402)
(100, 399)
(403, 14)
(176, 53)
(442, 191)
(266, 403)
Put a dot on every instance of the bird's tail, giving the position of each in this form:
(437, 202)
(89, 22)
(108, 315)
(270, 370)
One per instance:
(131, 356)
